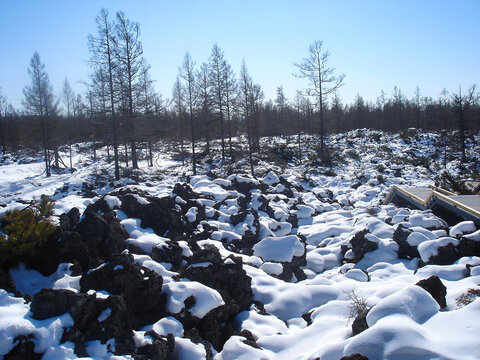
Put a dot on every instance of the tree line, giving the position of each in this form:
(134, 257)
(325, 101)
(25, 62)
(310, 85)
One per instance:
(122, 111)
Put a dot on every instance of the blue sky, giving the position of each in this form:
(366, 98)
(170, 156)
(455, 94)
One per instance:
(378, 44)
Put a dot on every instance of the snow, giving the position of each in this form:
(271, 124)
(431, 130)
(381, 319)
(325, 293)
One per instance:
(281, 249)
(31, 281)
(413, 302)
(461, 228)
(429, 248)
(473, 236)
(167, 325)
(404, 320)
(206, 299)
(187, 350)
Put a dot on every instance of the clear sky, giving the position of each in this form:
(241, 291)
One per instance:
(377, 44)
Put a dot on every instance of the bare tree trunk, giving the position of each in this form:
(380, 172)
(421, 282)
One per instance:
(126, 154)
(150, 152)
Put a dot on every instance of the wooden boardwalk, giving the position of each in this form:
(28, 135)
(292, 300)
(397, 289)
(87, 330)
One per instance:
(465, 206)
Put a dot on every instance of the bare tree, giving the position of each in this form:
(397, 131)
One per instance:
(205, 99)
(187, 71)
(217, 63)
(245, 94)
(146, 100)
(68, 98)
(40, 101)
(178, 97)
(230, 91)
(3, 115)
(461, 105)
(102, 56)
(129, 52)
(337, 109)
(321, 77)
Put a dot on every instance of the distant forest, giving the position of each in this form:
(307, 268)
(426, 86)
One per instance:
(122, 111)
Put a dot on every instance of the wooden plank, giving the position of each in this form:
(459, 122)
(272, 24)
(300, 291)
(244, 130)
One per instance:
(472, 201)
(421, 193)
(425, 198)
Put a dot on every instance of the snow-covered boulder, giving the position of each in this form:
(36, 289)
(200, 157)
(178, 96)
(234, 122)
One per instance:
(280, 249)
(412, 301)
(464, 227)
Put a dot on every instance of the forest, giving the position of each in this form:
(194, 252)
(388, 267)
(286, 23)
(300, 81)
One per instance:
(209, 102)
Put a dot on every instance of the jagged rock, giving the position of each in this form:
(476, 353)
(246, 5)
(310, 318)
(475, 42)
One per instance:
(245, 244)
(293, 268)
(64, 222)
(185, 191)
(308, 317)
(94, 318)
(72, 249)
(227, 276)
(435, 287)
(169, 252)
(69, 220)
(24, 350)
(360, 323)
(73, 217)
(103, 319)
(356, 356)
(233, 284)
(209, 253)
(140, 287)
(6, 281)
(159, 214)
(250, 340)
(48, 303)
(245, 187)
(101, 230)
(360, 246)
(160, 349)
(405, 250)
(468, 247)
(446, 255)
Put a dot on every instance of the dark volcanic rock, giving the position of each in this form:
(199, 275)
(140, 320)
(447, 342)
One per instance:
(355, 356)
(468, 247)
(233, 284)
(159, 349)
(436, 288)
(69, 220)
(85, 244)
(159, 214)
(94, 318)
(24, 350)
(405, 250)
(6, 281)
(249, 339)
(101, 230)
(446, 255)
(140, 287)
(48, 303)
(169, 252)
(360, 323)
(360, 246)
(227, 276)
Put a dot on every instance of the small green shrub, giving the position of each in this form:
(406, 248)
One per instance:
(23, 231)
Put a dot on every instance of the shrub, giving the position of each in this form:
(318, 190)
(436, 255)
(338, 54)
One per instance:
(24, 231)
(357, 305)
(467, 298)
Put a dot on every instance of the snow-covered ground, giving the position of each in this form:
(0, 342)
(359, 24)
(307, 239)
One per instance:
(309, 237)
